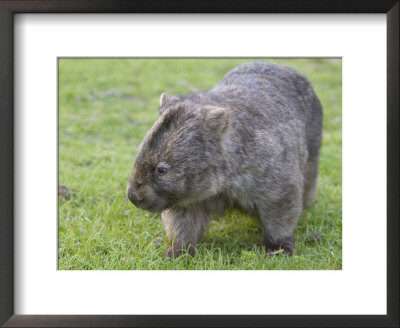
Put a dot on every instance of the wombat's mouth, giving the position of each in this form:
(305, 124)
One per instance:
(151, 207)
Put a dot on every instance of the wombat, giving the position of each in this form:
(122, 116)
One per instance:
(250, 142)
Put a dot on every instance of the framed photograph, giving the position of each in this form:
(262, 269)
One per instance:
(113, 112)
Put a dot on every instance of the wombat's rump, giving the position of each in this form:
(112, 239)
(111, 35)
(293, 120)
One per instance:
(252, 141)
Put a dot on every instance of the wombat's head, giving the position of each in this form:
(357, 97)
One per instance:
(178, 159)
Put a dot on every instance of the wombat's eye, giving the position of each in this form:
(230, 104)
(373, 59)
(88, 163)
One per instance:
(162, 170)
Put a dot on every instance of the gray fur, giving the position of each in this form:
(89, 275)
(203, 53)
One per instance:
(252, 141)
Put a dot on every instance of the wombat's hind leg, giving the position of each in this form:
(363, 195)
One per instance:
(184, 228)
(278, 245)
(279, 221)
(310, 182)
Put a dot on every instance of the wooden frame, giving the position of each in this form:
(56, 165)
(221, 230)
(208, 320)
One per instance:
(7, 11)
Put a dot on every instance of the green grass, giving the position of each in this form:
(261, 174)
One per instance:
(105, 108)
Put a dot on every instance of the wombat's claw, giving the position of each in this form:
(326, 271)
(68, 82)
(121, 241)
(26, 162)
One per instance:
(276, 252)
(175, 251)
(169, 253)
(287, 251)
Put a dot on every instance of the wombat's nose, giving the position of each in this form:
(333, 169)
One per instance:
(132, 196)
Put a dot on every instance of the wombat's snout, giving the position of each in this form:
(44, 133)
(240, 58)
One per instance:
(143, 196)
(132, 195)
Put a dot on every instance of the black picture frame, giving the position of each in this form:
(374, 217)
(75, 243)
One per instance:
(7, 11)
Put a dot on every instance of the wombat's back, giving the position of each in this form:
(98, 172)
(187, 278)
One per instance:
(279, 93)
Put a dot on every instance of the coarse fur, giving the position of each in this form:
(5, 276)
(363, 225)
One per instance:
(252, 141)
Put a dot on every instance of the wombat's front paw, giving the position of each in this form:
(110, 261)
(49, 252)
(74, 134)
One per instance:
(177, 250)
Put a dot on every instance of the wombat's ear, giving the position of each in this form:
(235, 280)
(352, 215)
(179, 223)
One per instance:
(217, 118)
(165, 99)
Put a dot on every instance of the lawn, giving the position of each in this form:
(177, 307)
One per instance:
(105, 108)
